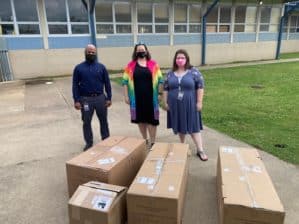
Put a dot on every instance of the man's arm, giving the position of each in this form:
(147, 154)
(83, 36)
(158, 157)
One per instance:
(75, 88)
(107, 87)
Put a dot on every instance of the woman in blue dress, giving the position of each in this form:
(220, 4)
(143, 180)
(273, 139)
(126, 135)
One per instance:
(183, 96)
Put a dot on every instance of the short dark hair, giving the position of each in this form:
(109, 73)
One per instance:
(187, 65)
(134, 56)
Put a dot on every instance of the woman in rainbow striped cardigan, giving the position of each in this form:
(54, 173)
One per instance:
(142, 82)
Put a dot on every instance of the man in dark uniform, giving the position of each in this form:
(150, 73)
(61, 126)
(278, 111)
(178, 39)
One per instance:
(90, 78)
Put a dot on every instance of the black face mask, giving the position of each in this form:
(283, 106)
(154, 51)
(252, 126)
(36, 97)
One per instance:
(90, 57)
(142, 54)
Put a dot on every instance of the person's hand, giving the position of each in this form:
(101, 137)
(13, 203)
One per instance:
(77, 105)
(108, 103)
(127, 100)
(199, 106)
(166, 107)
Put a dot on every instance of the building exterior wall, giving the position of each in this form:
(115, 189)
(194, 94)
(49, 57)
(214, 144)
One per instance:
(52, 54)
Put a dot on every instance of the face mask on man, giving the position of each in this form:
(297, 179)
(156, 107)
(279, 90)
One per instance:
(141, 54)
(90, 57)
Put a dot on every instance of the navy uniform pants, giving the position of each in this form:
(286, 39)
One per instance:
(89, 105)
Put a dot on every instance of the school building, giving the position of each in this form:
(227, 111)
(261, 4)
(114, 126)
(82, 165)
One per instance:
(47, 37)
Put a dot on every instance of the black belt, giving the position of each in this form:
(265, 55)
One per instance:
(92, 95)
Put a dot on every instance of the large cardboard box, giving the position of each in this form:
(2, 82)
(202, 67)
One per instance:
(96, 202)
(116, 160)
(157, 194)
(246, 194)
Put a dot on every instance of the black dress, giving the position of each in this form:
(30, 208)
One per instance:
(143, 86)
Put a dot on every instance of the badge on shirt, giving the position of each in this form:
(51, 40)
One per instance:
(86, 107)
(180, 95)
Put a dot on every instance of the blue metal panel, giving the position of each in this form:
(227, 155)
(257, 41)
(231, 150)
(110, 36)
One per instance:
(187, 39)
(268, 36)
(218, 38)
(116, 41)
(24, 43)
(244, 37)
(154, 40)
(68, 42)
(294, 36)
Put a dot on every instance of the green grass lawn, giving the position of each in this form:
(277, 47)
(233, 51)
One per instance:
(256, 104)
(289, 55)
(264, 116)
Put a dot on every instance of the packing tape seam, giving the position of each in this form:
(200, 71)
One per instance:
(249, 187)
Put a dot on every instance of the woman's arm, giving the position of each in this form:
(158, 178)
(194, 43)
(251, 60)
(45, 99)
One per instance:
(200, 93)
(126, 96)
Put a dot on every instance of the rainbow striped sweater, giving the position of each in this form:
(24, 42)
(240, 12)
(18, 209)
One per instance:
(129, 81)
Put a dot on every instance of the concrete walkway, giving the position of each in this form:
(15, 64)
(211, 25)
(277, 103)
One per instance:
(40, 131)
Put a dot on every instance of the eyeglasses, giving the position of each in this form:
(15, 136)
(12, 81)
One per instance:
(180, 58)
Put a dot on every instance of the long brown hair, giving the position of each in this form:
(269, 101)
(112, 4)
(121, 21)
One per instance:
(134, 56)
(187, 65)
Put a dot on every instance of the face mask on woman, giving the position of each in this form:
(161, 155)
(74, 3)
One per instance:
(141, 54)
(180, 61)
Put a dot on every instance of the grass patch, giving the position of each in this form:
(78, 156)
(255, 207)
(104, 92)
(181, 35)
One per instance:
(256, 104)
(289, 55)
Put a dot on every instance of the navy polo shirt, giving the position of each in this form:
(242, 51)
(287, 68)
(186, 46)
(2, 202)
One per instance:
(90, 79)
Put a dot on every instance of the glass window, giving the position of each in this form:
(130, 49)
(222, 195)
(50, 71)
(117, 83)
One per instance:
(145, 29)
(194, 28)
(240, 14)
(225, 16)
(161, 13)
(58, 29)
(144, 12)
(25, 13)
(7, 29)
(79, 29)
(55, 10)
(195, 14)
(122, 13)
(213, 16)
(251, 19)
(28, 29)
(180, 13)
(180, 28)
(123, 29)
(103, 12)
(5, 11)
(265, 14)
(161, 28)
(77, 11)
(239, 28)
(105, 28)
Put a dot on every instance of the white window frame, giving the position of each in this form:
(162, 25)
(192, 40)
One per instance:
(114, 23)
(68, 23)
(16, 23)
(187, 23)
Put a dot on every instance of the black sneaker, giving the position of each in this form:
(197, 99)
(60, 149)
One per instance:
(86, 147)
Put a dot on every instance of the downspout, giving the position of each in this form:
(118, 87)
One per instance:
(204, 32)
(90, 8)
(288, 8)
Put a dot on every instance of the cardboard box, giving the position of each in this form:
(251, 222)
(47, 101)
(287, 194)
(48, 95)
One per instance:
(157, 194)
(96, 202)
(116, 160)
(246, 194)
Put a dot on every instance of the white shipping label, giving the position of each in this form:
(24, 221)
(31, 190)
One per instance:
(101, 202)
(145, 180)
(227, 150)
(119, 150)
(170, 188)
(106, 161)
